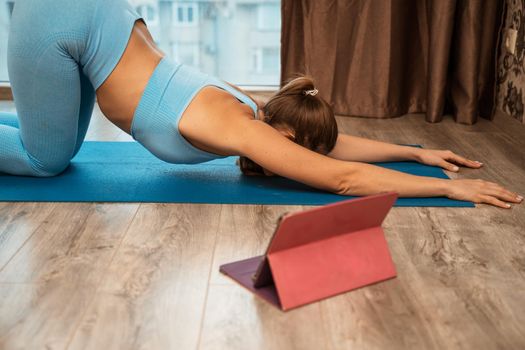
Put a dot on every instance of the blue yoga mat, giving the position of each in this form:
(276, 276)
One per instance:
(126, 172)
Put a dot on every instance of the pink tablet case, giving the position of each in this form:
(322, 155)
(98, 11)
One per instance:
(318, 253)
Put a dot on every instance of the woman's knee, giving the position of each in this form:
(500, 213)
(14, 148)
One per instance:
(48, 167)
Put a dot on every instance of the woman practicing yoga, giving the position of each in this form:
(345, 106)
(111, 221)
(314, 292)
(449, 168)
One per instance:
(61, 53)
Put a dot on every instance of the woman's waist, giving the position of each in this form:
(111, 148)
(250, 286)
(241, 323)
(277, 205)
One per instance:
(120, 94)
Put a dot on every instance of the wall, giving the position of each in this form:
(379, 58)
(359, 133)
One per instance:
(511, 68)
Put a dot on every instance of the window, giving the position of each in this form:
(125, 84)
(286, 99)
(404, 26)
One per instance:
(6, 9)
(185, 14)
(187, 53)
(266, 60)
(270, 59)
(269, 17)
(10, 7)
(234, 40)
(149, 13)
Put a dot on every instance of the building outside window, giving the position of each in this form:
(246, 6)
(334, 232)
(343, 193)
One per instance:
(149, 13)
(10, 6)
(6, 9)
(185, 14)
(235, 40)
(271, 59)
(267, 18)
(188, 53)
(265, 59)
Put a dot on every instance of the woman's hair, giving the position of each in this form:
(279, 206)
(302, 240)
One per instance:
(299, 109)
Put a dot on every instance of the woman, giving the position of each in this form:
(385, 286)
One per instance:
(61, 53)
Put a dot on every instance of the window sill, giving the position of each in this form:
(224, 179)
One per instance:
(5, 92)
(259, 88)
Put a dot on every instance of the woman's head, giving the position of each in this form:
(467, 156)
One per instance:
(300, 114)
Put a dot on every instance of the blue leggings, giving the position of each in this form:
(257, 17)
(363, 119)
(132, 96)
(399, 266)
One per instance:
(37, 145)
(59, 53)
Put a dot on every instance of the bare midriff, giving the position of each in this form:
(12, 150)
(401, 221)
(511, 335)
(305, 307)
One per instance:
(119, 95)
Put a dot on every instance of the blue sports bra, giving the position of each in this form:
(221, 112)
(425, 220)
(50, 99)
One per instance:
(169, 91)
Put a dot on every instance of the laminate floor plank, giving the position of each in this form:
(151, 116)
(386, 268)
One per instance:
(390, 314)
(40, 315)
(154, 292)
(18, 221)
(453, 290)
(245, 231)
(70, 243)
(465, 259)
(236, 319)
(511, 127)
(47, 285)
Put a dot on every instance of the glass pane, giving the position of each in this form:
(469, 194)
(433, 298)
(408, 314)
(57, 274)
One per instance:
(216, 36)
(269, 16)
(181, 14)
(190, 14)
(151, 14)
(6, 7)
(270, 59)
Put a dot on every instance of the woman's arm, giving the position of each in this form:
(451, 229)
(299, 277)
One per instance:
(368, 179)
(274, 152)
(358, 149)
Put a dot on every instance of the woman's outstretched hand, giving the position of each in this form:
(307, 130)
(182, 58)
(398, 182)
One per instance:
(447, 160)
(480, 191)
(477, 191)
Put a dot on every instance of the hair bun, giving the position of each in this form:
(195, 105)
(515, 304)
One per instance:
(300, 85)
(312, 92)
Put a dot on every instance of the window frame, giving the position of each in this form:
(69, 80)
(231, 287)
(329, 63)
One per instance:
(10, 6)
(185, 8)
(257, 58)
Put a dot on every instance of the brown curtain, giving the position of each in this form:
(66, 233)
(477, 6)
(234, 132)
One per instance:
(386, 58)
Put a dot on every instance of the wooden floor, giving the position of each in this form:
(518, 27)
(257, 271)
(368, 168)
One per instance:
(145, 276)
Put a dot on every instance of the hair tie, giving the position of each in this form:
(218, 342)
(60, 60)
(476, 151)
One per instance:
(310, 92)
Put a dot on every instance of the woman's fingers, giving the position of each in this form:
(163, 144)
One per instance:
(481, 191)
(494, 201)
(450, 159)
(448, 166)
(504, 194)
(463, 161)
